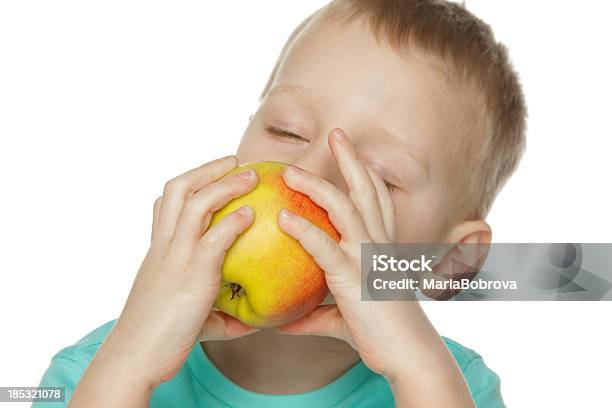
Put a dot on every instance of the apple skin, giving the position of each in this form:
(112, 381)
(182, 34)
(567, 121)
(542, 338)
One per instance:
(279, 281)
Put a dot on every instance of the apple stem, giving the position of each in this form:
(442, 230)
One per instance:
(236, 290)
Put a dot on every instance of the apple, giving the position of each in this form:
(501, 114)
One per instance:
(268, 279)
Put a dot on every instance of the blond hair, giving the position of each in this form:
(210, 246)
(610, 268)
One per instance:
(473, 58)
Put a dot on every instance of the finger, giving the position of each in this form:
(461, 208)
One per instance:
(156, 207)
(210, 251)
(220, 326)
(179, 188)
(323, 321)
(198, 209)
(341, 211)
(385, 201)
(324, 250)
(362, 190)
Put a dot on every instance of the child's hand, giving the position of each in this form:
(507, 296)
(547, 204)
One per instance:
(169, 306)
(366, 216)
(393, 338)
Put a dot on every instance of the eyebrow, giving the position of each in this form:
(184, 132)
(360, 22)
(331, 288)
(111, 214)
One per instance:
(291, 88)
(409, 148)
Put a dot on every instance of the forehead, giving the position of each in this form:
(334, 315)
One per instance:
(348, 76)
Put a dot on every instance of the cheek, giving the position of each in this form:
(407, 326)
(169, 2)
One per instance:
(419, 219)
(248, 150)
(255, 147)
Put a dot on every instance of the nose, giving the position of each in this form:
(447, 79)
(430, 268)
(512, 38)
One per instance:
(318, 159)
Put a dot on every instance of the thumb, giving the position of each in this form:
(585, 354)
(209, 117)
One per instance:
(325, 320)
(220, 326)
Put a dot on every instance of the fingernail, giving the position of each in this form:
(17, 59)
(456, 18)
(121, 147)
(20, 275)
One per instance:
(345, 144)
(286, 214)
(340, 135)
(226, 159)
(244, 211)
(292, 171)
(247, 174)
(376, 167)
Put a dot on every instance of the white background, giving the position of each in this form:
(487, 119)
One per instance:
(102, 102)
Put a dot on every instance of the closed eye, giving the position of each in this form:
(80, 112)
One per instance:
(391, 187)
(280, 133)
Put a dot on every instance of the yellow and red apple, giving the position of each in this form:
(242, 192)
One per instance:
(268, 279)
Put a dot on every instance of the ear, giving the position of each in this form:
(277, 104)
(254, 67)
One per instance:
(469, 247)
(470, 232)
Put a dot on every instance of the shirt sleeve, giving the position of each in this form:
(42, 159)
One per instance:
(484, 385)
(63, 372)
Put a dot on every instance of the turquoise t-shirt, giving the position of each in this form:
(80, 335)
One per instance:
(201, 384)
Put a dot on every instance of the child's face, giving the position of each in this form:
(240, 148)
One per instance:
(399, 113)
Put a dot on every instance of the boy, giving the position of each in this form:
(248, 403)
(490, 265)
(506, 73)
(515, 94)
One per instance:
(406, 118)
